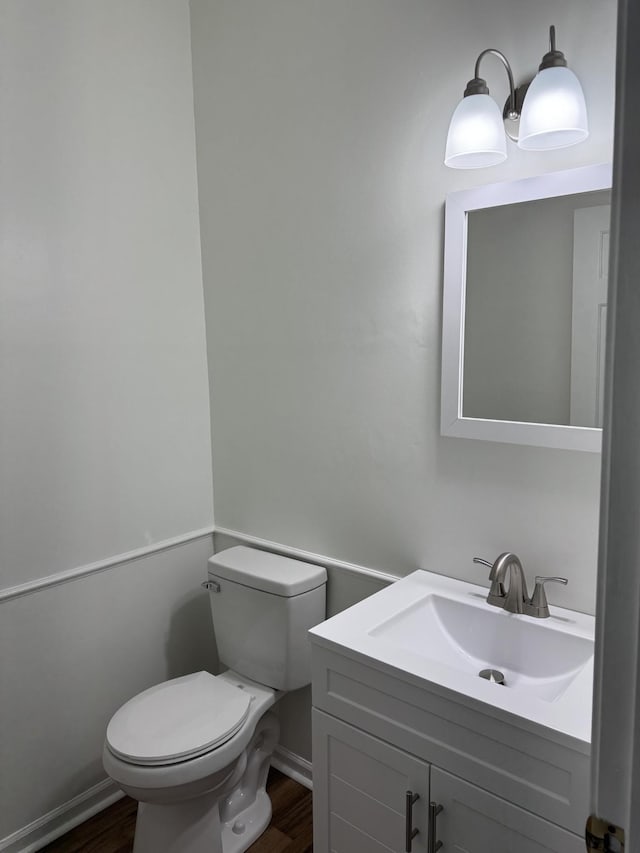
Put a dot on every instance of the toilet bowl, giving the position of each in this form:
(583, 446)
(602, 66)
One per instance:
(195, 751)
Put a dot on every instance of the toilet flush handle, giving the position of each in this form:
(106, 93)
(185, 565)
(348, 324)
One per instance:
(211, 586)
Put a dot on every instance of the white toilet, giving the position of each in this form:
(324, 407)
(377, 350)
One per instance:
(195, 751)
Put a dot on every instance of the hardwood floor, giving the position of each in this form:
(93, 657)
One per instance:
(111, 831)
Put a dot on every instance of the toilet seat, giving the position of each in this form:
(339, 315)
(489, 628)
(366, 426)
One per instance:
(178, 720)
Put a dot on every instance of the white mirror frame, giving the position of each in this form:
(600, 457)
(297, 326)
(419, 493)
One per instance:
(458, 205)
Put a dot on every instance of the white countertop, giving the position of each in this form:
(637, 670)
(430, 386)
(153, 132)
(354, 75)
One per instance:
(567, 716)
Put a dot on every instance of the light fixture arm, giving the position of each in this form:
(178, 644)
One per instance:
(478, 86)
(554, 58)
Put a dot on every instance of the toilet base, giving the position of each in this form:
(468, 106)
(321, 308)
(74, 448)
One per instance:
(239, 834)
(194, 826)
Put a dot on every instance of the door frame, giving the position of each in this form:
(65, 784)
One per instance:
(615, 773)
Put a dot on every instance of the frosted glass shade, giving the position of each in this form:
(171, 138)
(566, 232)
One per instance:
(476, 135)
(554, 114)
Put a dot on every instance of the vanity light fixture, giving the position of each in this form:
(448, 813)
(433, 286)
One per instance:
(550, 112)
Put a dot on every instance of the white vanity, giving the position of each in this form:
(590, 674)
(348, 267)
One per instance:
(399, 710)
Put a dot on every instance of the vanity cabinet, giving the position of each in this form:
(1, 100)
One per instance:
(376, 736)
(360, 785)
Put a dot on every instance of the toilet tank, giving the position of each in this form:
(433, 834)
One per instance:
(263, 605)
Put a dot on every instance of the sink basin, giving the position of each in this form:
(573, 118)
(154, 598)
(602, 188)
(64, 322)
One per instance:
(435, 631)
(533, 657)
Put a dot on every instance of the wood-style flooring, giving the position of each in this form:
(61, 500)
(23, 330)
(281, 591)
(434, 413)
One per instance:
(111, 831)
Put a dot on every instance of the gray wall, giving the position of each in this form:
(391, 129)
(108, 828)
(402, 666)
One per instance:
(104, 414)
(320, 139)
(104, 421)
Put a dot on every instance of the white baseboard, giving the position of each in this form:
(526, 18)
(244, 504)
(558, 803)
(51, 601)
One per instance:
(55, 823)
(293, 765)
(67, 816)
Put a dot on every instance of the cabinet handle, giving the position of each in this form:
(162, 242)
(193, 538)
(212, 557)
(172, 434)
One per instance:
(432, 844)
(410, 832)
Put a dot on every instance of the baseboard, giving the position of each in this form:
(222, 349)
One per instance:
(55, 823)
(293, 765)
(67, 816)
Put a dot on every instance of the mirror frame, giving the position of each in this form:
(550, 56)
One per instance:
(458, 206)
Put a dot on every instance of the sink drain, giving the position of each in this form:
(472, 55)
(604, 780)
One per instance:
(493, 675)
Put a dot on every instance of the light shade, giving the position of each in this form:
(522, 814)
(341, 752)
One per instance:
(554, 114)
(476, 135)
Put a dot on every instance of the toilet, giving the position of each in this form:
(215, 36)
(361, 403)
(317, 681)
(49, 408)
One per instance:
(195, 751)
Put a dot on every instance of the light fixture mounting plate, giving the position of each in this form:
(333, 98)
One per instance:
(511, 124)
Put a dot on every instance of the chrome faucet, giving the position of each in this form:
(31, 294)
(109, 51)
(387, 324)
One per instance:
(515, 599)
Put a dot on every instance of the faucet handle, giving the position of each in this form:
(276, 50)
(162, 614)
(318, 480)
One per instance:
(538, 605)
(541, 581)
(497, 592)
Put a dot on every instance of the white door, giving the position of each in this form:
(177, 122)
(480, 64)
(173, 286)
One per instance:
(474, 821)
(589, 313)
(359, 792)
(615, 790)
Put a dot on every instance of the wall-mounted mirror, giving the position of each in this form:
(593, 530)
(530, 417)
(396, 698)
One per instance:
(524, 310)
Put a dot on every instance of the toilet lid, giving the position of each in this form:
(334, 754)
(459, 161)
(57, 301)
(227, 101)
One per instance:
(178, 720)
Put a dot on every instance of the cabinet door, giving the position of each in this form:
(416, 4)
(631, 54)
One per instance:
(473, 821)
(359, 788)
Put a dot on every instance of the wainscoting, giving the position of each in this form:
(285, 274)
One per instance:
(75, 647)
(91, 637)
